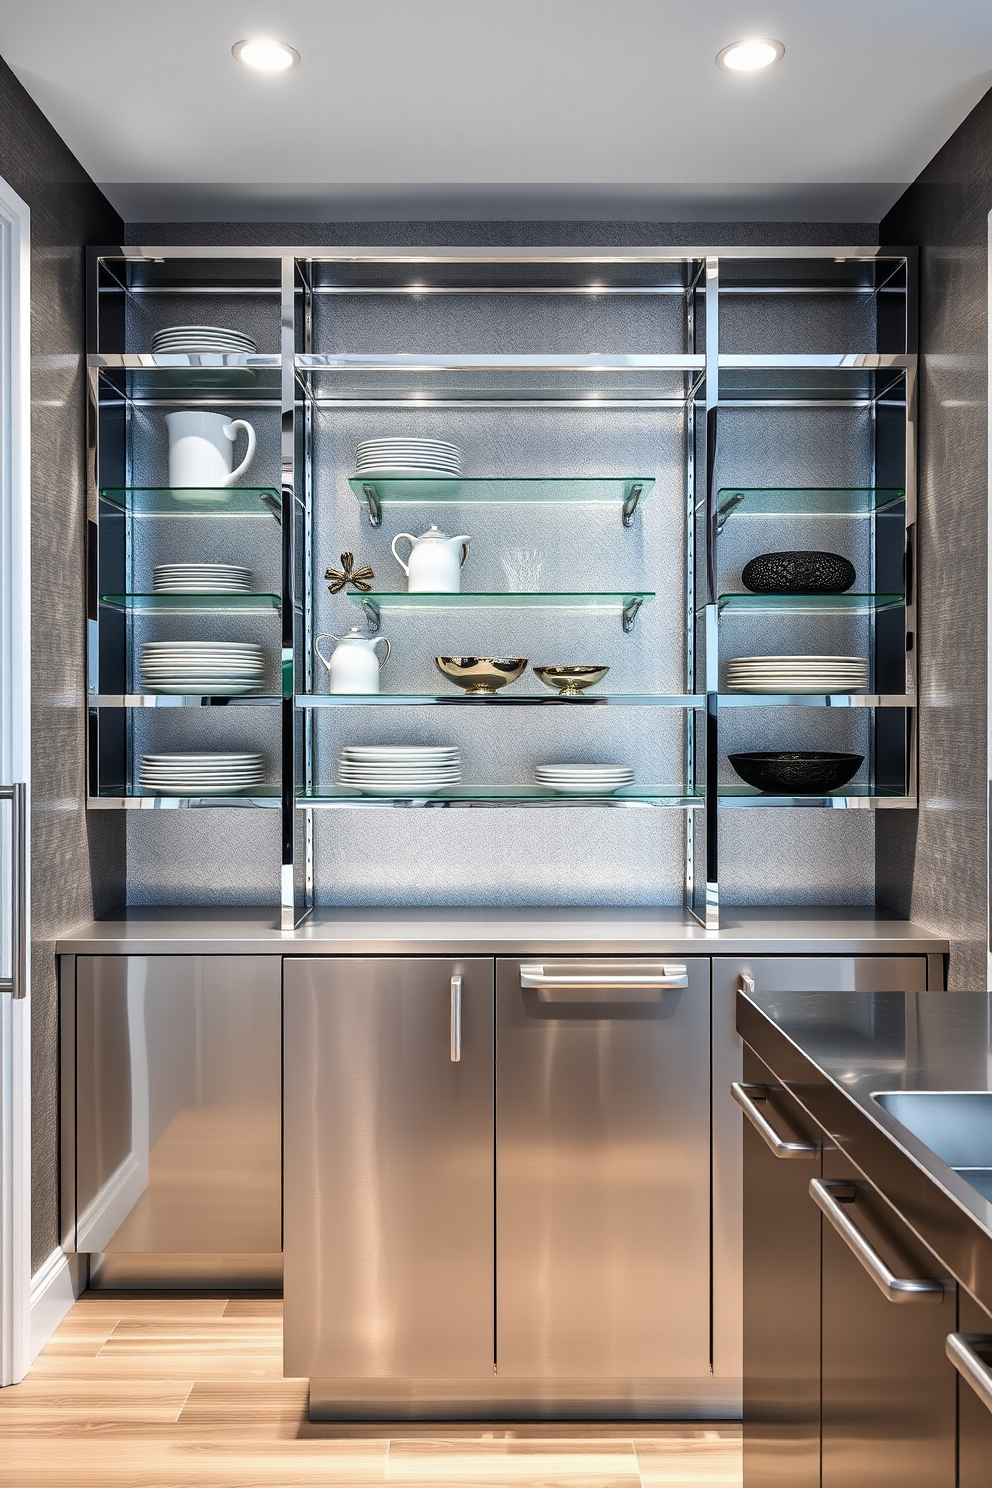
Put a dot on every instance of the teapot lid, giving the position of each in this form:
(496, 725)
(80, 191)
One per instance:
(354, 634)
(433, 534)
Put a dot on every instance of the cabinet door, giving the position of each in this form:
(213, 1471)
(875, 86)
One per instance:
(781, 1292)
(888, 1395)
(388, 1168)
(602, 1119)
(178, 1119)
(974, 1408)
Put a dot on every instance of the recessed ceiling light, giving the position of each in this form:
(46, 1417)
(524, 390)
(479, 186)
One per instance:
(750, 55)
(266, 55)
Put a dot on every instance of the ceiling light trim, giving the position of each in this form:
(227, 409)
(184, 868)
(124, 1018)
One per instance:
(265, 54)
(751, 54)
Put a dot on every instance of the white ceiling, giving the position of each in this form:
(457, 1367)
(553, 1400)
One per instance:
(505, 108)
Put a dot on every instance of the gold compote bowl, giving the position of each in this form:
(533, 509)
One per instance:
(481, 675)
(570, 681)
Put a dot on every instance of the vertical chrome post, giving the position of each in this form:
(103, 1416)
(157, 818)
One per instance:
(711, 906)
(294, 906)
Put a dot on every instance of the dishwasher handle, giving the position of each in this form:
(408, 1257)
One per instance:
(960, 1349)
(748, 1098)
(830, 1196)
(17, 983)
(589, 983)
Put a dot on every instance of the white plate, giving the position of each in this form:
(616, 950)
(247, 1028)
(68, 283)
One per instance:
(799, 660)
(408, 472)
(394, 751)
(343, 771)
(202, 761)
(800, 688)
(197, 687)
(430, 789)
(592, 789)
(442, 446)
(585, 769)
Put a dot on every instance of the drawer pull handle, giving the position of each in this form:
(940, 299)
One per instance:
(961, 1352)
(587, 984)
(748, 1097)
(830, 1196)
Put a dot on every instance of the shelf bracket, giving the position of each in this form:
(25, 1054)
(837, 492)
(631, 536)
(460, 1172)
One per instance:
(630, 502)
(727, 511)
(374, 505)
(371, 615)
(630, 614)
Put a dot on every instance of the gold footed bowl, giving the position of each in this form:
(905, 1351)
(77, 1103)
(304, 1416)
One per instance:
(481, 675)
(570, 681)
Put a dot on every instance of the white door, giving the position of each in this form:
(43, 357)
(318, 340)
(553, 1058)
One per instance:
(15, 740)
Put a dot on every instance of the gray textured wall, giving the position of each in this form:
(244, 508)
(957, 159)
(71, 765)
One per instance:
(77, 860)
(935, 866)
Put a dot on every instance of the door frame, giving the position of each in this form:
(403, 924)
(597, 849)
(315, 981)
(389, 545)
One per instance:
(15, 763)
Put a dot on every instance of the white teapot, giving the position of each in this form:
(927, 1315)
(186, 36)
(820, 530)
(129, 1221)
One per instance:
(354, 664)
(435, 561)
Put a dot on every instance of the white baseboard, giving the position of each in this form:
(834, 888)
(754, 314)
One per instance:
(54, 1288)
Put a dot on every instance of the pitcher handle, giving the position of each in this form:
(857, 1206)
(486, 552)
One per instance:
(231, 431)
(464, 539)
(412, 541)
(383, 642)
(327, 637)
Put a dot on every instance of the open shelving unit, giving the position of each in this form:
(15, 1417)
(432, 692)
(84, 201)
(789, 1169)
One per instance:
(736, 334)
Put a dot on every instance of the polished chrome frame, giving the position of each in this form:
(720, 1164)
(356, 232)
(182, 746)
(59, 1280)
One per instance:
(699, 284)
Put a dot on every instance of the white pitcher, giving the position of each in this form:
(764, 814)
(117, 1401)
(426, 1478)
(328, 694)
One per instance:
(354, 664)
(201, 452)
(435, 561)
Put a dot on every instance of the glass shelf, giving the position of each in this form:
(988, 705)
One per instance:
(807, 604)
(168, 501)
(202, 377)
(849, 797)
(256, 796)
(828, 378)
(579, 379)
(504, 795)
(193, 604)
(623, 491)
(179, 700)
(496, 699)
(816, 700)
(806, 501)
(625, 602)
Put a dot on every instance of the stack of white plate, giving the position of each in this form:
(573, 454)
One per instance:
(427, 458)
(806, 674)
(399, 769)
(202, 338)
(584, 780)
(211, 668)
(201, 774)
(201, 578)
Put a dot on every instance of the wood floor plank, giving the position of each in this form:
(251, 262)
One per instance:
(188, 1392)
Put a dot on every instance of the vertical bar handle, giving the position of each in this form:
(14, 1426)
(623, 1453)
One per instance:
(970, 1365)
(16, 983)
(456, 1019)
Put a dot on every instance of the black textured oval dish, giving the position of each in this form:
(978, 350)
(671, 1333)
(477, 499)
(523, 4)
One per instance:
(797, 772)
(800, 572)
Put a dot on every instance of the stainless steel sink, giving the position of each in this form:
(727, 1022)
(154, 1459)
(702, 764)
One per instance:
(955, 1124)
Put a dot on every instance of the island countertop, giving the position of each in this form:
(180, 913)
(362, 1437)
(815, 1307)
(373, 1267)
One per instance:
(835, 1051)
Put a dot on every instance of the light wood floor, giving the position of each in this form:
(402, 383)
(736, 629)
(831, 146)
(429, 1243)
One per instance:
(133, 1393)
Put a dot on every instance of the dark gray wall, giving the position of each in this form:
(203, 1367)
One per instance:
(502, 234)
(934, 866)
(77, 859)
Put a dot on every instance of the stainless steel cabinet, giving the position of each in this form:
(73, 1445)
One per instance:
(768, 974)
(602, 1172)
(177, 1105)
(971, 1351)
(388, 1171)
(781, 1286)
(888, 1396)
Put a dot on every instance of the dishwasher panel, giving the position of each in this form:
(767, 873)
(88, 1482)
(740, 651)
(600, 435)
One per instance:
(602, 1181)
(388, 1172)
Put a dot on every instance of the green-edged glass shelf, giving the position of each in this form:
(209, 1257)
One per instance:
(170, 501)
(192, 604)
(849, 797)
(816, 700)
(180, 700)
(624, 603)
(601, 490)
(496, 699)
(841, 377)
(806, 501)
(503, 795)
(202, 377)
(137, 800)
(807, 604)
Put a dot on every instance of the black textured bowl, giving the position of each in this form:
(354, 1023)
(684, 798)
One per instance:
(797, 772)
(802, 572)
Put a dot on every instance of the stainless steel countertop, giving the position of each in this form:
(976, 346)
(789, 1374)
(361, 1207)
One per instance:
(578, 932)
(833, 1050)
